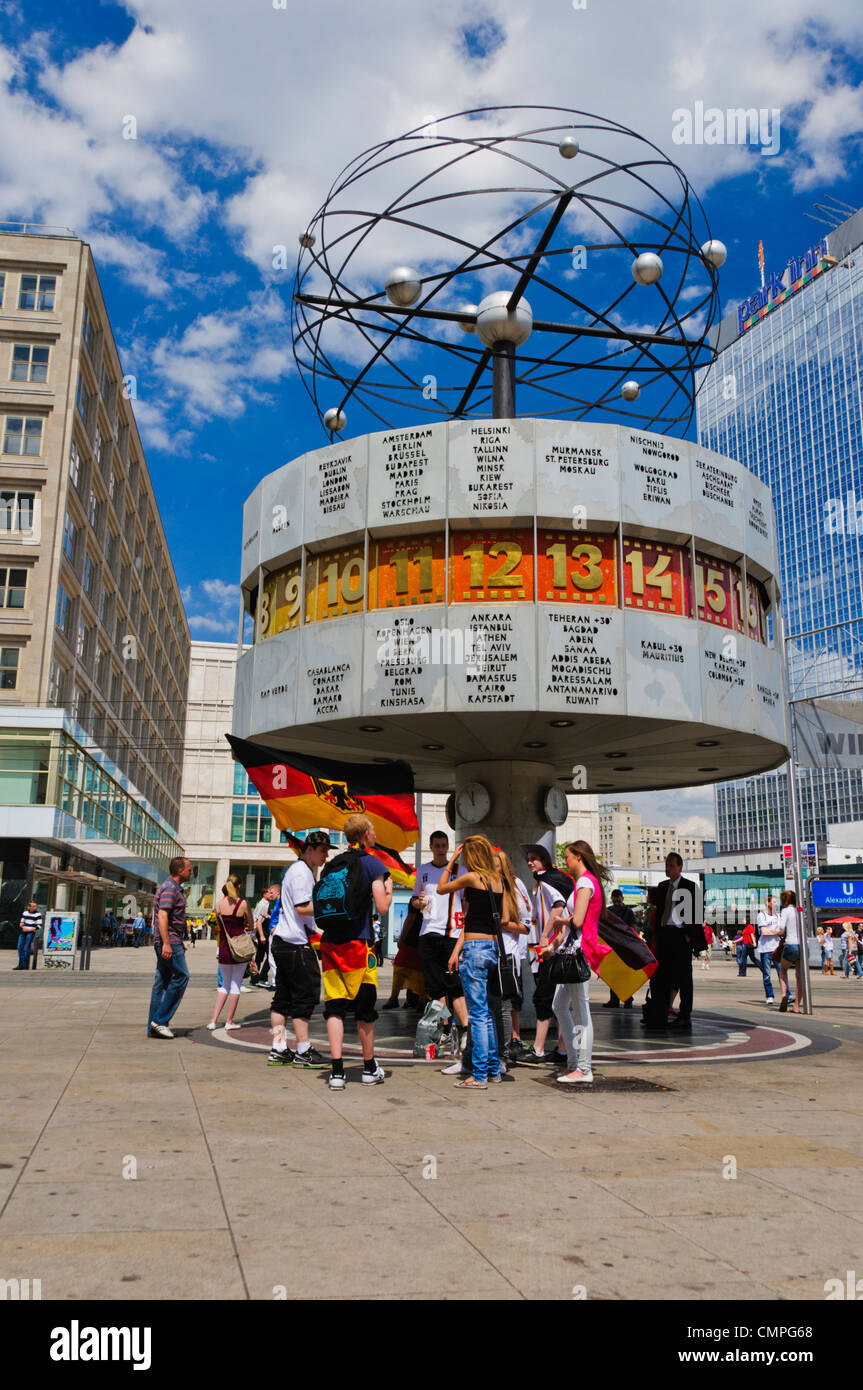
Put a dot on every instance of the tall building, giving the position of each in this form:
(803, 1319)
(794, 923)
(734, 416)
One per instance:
(784, 398)
(625, 840)
(94, 644)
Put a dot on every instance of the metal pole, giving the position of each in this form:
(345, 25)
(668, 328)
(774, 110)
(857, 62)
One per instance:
(791, 773)
(503, 381)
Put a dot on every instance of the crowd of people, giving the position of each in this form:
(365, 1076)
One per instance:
(473, 932)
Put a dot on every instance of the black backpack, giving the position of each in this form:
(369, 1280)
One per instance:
(341, 898)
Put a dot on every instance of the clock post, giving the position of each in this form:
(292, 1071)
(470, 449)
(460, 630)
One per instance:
(516, 791)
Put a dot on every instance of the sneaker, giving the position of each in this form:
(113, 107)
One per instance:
(280, 1059)
(571, 1079)
(771, 1000)
(532, 1058)
(514, 1050)
(454, 1069)
(311, 1059)
(336, 1083)
(559, 1059)
(390, 1004)
(159, 1030)
(374, 1078)
(244, 989)
(229, 1026)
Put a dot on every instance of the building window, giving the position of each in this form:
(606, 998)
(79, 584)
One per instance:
(29, 363)
(87, 574)
(81, 400)
(88, 331)
(37, 292)
(81, 642)
(23, 435)
(63, 610)
(9, 667)
(74, 464)
(70, 538)
(93, 509)
(2, 287)
(16, 511)
(56, 683)
(13, 588)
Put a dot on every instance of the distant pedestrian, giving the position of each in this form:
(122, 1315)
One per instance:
(261, 917)
(626, 914)
(139, 926)
(828, 949)
(172, 972)
(849, 942)
(31, 923)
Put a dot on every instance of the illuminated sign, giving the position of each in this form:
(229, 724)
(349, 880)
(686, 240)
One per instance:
(777, 288)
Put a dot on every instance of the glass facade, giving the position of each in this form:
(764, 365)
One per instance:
(784, 398)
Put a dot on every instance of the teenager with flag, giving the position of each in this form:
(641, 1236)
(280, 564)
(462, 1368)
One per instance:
(553, 888)
(353, 883)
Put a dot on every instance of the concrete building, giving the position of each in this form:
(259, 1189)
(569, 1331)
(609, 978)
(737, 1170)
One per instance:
(784, 398)
(625, 840)
(94, 644)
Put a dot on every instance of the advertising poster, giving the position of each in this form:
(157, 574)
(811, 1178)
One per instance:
(60, 939)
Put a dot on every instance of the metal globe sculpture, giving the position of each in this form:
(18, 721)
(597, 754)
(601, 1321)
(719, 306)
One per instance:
(480, 205)
(335, 420)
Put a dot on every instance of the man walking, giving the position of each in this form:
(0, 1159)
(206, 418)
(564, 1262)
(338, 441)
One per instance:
(261, 918)
(349, 965)
(675, 936)
(172, 972)
(769, 931)
(298, 975)
(31, 923)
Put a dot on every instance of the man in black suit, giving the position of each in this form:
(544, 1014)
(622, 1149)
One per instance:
(677, 926)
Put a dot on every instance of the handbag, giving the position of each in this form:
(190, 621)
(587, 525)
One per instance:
(241, 948)
(502, 981)
(570, 967)
(776, 955)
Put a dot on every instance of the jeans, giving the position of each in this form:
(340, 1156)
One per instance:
(767, 961)
(25, 945)
(744, 955)
(138, 934)
(169, 986)
(575, 1026)
(476, 960)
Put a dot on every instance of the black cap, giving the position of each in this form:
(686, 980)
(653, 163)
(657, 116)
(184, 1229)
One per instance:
(316, 838)
(538, 852)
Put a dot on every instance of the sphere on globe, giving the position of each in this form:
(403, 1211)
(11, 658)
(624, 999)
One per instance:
(715, 253)
(307, 240)
(569, 147)
(630, 390)
(647, 268)
(465, 326)
(403, 286)
(497, 324)
(335, 420)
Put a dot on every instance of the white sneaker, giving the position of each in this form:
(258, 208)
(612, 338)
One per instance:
(454, 1069)
(770, 1001)
(336, 1083)
(212, 1026)
(160, 1030)
(244, 989)
(374, 1078)
(232, 1025)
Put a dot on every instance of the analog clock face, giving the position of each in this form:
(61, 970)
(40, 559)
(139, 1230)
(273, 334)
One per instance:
(472, 803)
(556, 805)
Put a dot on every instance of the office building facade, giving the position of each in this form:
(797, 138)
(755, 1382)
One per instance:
(625, 840)
(94, 643)
(784, 398)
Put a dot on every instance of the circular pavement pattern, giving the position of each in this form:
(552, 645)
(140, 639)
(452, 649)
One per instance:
(619, 1040)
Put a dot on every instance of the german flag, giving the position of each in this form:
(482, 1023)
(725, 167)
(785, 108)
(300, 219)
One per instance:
(624, 961)
(303, 793)
(347, 966)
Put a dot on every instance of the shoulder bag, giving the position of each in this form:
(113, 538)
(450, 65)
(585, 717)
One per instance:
(240, 947)
(502, 981)
(568, 968)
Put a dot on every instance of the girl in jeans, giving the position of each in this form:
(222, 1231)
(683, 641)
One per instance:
(580, 922)
(790, 924)
(476, 951)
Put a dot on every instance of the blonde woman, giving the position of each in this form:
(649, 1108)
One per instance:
(235, 917)
(476, 951)
(515, 940)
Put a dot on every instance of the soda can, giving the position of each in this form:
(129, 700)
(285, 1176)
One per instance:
(431, 1052)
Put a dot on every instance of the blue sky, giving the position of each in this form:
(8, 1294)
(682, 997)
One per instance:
(246, 110)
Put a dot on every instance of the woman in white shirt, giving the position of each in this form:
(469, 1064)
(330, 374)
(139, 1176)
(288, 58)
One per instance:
(789, 923)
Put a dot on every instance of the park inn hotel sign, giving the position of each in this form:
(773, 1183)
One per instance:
(585, 589)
